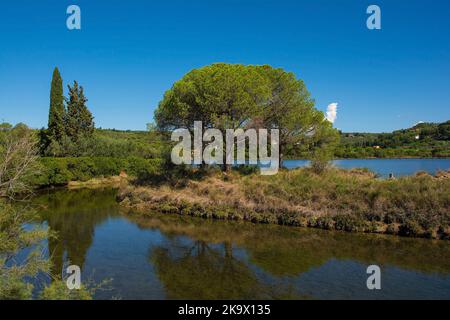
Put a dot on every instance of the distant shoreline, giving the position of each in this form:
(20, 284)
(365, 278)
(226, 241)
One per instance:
(374, 158)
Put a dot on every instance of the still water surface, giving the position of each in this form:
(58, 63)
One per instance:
(383, 167)
(173, 257)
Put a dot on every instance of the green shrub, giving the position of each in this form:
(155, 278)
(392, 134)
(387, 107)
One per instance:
(59, 171)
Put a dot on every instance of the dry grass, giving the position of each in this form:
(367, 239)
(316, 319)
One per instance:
(338, 199)
(114, 181)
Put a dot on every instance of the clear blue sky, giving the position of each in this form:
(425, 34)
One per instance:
(129, 52)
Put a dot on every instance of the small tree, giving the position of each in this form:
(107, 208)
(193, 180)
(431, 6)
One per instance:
(17, 163)
(57, 111)
(18, 154)
(79, 120)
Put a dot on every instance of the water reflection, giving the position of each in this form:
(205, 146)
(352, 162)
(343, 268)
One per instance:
(198, 270)
(286, 251)
(73, 216)
(173, 257)
(383, 167)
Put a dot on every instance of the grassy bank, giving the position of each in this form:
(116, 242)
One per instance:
(354, 201)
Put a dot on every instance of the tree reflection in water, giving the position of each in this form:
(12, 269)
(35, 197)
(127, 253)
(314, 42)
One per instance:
(199, 270)
(73, 216)
(192, 258)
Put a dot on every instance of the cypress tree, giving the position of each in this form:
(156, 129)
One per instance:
(79, 121)
(57, 111)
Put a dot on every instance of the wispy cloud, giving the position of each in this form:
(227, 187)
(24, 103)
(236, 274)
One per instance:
(332, 112)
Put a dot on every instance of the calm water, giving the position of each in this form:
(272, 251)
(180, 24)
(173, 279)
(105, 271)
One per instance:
(399, 167)
(172, 257)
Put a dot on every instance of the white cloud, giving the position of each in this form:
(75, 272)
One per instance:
(332, 112)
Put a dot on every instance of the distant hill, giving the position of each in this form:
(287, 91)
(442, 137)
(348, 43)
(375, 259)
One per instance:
(421, 140)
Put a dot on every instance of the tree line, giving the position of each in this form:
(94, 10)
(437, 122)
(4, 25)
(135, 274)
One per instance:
(422, 140)
(222, 96)
(70, 123)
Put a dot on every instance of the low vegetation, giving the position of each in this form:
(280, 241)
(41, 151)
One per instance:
(22, 236)
(424, 140)
(354, 200)
(61, 171)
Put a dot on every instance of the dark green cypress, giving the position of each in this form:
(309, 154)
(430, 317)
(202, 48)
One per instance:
(79, 119)
(57, 111)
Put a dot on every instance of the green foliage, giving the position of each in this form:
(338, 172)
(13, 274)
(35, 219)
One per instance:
(320, 161)
(424, 140)
(14, 239)
(18, 153)
(114, 143)
(58, 291)
(290, 108)
(17, 158)
(231, 96)
(221, 95)
(5, 126)
(79, 122)
(59, 171)
(443, 131)
(57, 111)
(69, 132)
(106, 143)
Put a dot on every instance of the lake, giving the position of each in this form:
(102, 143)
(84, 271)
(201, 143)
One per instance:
(383, 167)
(175, 257)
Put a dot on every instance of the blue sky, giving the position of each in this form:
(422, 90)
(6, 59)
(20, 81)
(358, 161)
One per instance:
(129, 52)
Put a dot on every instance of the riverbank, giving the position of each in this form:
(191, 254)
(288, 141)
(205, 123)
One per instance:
(347, 200)
(95, 183)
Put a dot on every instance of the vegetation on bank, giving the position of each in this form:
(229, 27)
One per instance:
(221, 95)
(424, 140)
(21, 235)
(355, 201)
(61, 171)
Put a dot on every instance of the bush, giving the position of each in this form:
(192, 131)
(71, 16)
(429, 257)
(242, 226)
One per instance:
(58, 291)
(59, 171)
